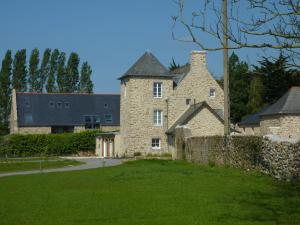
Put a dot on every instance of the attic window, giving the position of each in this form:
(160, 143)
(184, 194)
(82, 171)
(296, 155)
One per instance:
(212, 92)
(51, 104)
(27, 104)
(188, 101)
(59, 105)
(105, 105)
(67, 105)
(28, 118)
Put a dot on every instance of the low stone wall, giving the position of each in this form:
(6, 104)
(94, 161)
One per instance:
(280, 160)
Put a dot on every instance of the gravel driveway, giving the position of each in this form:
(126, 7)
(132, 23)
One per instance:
(89, 163)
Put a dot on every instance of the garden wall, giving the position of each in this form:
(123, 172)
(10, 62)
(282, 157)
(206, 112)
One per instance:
(280, 160)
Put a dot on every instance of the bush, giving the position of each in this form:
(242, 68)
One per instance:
(48, 144)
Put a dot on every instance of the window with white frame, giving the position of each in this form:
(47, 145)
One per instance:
(157, 117)
(155, 143)
(212, 92)
(157, 90)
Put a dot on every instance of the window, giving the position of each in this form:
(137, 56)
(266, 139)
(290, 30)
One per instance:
(157, 90)
(59, 105)
(108, 118)
(157, 117)
(212, 92)
(27, 103)
(92, 122)
(96, 122)
(51, 104)
(105, 105)
(28, 118)
(188, 101)
(67, 105)
(155, 143)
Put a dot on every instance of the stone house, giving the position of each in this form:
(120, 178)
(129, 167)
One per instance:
(281, 118)
(40, 113)
(154, 101)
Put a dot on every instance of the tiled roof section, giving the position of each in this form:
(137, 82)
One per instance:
(289, 103)
(66, 109)
(189, 113)
(253, 119)
(147, 65)
(180, 73)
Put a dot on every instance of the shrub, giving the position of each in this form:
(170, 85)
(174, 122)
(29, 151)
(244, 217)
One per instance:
(48, 144)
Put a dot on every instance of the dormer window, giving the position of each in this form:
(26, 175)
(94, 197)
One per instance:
(105, 105)
(51, 104)
(27, 104)
(59, 105)
(157, 90)
(212, 93)
(67, 105)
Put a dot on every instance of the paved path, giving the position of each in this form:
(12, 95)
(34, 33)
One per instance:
(89, 163)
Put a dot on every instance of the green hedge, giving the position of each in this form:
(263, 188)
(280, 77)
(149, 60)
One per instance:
(47, 144)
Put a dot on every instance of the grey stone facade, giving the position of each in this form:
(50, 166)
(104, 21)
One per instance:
(138, 104)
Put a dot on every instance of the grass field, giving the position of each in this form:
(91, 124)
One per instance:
(149, 192)
(28, 164)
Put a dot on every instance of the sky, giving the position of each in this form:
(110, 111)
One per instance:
(110, 34)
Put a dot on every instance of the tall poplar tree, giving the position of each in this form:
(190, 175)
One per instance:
(61, 73)
(86, 84)
(5, 88)
(33, 80)
(19, 80)
(72, 74)
(44, 70)
(51, 82)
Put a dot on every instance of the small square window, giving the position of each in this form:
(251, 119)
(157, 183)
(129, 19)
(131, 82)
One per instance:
(108, 119)
(105, 105)
(59, 105)
(212, 92)
(188, 101)
(67, 105)
(155, 143)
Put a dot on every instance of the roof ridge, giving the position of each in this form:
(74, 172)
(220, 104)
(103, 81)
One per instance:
(39, 93)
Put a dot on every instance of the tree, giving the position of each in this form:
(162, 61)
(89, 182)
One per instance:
(33, 80)
(44, 70)
(239, 81)
(51, 82)
(256, 92)
(61, 73)
(5, 87)
(277, 78)
(72, 74)
(173, 65)
(86, 84)
(19, 80)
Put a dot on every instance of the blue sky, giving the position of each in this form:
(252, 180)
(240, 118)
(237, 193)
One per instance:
(110, 34)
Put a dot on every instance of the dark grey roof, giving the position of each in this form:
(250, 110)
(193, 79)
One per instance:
(147, 65)
(253, 119)
(44, 109)
(289, 103)
(180, 73)
(189, 113)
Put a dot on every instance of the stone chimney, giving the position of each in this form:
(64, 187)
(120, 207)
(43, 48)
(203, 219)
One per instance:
(198, 60)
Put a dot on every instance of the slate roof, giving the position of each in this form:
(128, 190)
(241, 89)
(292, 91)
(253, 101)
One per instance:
(289, 103)
(253, 119)
(189, 113)
(46, 110)
(180, 73)
(147, 65)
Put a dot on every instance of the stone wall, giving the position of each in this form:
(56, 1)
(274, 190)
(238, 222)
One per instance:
(34, 130)
(195, 86)
(278, 159)
(109, 128)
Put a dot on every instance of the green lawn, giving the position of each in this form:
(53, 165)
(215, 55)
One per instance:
(14, 165)
(149, 192)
